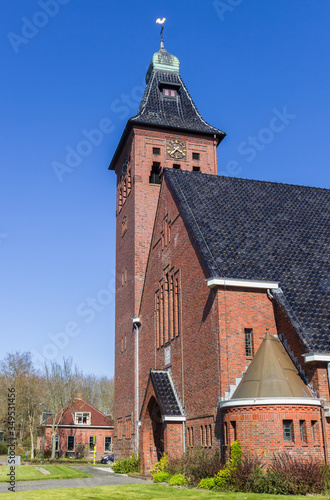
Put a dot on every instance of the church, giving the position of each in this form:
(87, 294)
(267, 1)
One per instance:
(222, 293)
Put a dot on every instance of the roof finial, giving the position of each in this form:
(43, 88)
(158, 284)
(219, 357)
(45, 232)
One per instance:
(161, 21)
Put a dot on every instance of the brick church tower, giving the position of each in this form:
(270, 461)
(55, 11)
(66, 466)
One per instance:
(167, 131)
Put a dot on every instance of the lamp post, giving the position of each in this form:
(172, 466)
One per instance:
(43, 448)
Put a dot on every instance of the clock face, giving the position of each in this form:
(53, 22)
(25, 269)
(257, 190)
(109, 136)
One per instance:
(176, 149)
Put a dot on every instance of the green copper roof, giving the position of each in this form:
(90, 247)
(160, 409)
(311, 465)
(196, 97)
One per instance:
(163, 61)
(271, 374)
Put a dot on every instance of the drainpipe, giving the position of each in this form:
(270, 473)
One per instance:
(183, 437)
(324, 434)
(137, 324)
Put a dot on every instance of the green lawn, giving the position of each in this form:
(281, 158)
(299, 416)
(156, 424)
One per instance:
(30, 473)
(145, 492)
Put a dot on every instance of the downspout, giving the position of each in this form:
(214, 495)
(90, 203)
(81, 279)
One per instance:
(324, 435)
(137, 324)
(183, 437)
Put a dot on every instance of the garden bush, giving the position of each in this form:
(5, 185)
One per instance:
(161, 477)
(177, 480)
(208, 483)
(160, 466)
(296, 475)
(127, 465)
(196, 464)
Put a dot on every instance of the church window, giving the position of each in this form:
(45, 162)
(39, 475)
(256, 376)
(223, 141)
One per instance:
(128, 427)
(167, 309)
(313, 426)
(303, 436)
(248, 334)
(196, 169)
(191, 436)
(288, 430)
(177, 166)
(210, 434)
(233, 426)
(124, 189)
(156, 151)
(206, 436)
(155, 173)
(195, 156)
(202, 435)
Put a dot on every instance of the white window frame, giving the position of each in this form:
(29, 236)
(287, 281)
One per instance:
(57, 442)
(109, 450)
(67, 443)
(81, 415)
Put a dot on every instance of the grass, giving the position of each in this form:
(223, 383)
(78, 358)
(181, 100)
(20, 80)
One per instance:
(145, 492)
(30, 473)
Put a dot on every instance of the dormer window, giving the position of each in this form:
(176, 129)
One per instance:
(167, 92)
(82, 418)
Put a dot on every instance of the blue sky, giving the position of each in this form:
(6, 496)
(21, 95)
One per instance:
(257, 70)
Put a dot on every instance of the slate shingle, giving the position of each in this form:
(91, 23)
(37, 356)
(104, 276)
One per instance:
(260, 230)
(166, 395)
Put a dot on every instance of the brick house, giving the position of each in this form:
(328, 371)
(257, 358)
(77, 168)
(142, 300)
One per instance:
(222, 287)
(80, 423)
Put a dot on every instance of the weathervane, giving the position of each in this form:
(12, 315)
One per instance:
(161, 21)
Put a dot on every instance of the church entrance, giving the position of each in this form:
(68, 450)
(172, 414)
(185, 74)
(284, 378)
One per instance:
(157, 429)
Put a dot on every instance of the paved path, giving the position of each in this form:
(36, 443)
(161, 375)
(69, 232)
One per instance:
(101, 477)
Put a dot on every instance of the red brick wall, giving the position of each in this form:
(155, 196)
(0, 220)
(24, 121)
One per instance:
(259, 429)
(81, 435)
(132, 249)
(240, 308)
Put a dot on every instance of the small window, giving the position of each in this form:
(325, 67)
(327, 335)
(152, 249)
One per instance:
(196, 169)
(210, 434)
(177, 166)
(302, 425)
(128, 427)
(70, 443)
(233, 426)
(91, 443)
(107, 444)
(195, 156)
(288, 430)
(167, 92)
(313, 425)
(156, 151)
(248, 342)
(155, 173)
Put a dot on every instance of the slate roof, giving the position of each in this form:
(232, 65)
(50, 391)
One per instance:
(80, 405)
(180, 113)
(166, 394)
(259, 230)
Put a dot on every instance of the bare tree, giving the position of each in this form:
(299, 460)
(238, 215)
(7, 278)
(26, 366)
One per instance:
(61, 383)
(18, 372)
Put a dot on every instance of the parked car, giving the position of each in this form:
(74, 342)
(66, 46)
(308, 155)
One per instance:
(107, 459)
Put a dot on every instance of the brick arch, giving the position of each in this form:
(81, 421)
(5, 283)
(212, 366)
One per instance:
(152, 434)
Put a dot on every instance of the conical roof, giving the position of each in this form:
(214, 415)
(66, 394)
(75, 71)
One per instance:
(271, 374)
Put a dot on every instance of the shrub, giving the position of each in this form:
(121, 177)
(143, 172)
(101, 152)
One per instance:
(247, 473)
(178, 480)
(222, 479)
(208, 483)
(235, 454)
(161, 477)
(297, 475)
(196, 464)
(127, 465)
(160, 466)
